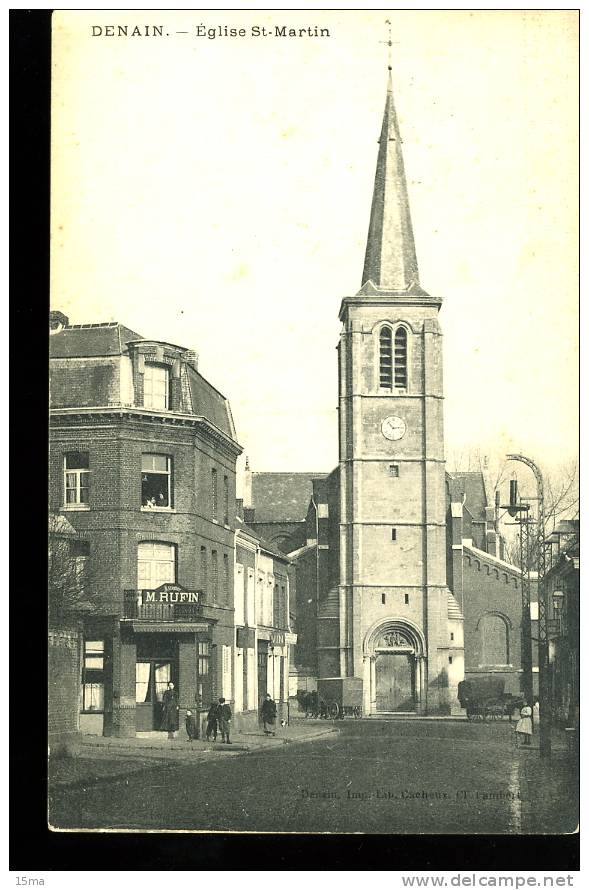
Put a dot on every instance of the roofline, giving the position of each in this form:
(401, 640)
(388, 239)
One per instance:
(104, 410)
(294, 554)
(289, 473)
(482, 554)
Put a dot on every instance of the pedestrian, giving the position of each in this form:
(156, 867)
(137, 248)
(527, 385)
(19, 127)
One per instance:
(191, 726)
(269, 715)
(224, 718)
(170, 711)
(536, 712)
(523, 727)
(212, 716)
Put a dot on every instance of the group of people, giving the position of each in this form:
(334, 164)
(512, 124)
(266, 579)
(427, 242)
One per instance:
(218, 717)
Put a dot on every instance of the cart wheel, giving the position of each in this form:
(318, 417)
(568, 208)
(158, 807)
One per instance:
(333, 710)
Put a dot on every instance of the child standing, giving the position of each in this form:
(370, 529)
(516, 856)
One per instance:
(523, 726)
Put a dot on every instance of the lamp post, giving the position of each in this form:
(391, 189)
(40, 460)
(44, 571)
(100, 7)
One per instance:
(520, 512)
(544, 684)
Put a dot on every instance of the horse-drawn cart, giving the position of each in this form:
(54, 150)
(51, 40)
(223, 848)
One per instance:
(340, 697)
(484, 698)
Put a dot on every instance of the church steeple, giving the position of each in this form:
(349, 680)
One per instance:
(390, 264)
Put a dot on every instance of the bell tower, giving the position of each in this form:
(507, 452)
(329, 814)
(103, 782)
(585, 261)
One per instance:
(394, 631)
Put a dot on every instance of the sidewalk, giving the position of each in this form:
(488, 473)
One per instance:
(549, 788)
(101, 758)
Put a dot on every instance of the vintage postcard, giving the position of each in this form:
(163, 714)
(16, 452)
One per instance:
(314, 522)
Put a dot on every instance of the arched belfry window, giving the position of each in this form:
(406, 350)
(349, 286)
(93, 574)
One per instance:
(386, 358)
(401, 358)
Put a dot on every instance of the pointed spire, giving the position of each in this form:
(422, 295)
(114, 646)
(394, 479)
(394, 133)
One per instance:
(390, 263)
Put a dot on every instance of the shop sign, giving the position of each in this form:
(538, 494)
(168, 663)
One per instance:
(170, 593)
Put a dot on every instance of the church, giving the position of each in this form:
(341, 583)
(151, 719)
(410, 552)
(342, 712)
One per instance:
(377, 540)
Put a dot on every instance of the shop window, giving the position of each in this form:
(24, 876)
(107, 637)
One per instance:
(401, 358)
(203, 672)
(386, 358)
(77, 478)
(225, 500)
(214, 497)
(156, 387)
(156, 481)
(93, 676)
(156, 565)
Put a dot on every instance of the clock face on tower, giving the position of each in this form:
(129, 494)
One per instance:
(393, 427)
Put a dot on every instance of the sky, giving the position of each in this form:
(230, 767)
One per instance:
(215, 193)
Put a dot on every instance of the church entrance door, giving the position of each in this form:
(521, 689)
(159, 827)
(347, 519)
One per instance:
(395, 682)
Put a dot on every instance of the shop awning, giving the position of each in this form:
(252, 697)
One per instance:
(167, 627)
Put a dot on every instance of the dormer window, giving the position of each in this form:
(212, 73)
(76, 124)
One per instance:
(156, 387)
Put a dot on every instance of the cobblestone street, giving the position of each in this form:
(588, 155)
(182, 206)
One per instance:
(373, 777)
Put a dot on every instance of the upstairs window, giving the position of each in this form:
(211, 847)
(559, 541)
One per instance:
(386, 358)
(156, 481)
(79, 553)
(401, 358)
(276, 607)
(156, 387)
(77, 478)
(214, 576)
(226, 578)
(203, 569)
(214, 496)
(225, 500)
(156, 565)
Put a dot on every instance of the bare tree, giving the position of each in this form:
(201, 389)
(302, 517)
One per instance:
(561, 494)
(69, 589)
(561, 501)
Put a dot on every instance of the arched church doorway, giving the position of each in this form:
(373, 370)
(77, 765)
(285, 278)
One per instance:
(394, 669)
(395, 682)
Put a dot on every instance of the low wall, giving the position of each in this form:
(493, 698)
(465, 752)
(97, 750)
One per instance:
(64, 676)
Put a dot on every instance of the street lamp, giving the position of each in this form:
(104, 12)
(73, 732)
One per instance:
(520, 512)
(557, 600)
(543, 655)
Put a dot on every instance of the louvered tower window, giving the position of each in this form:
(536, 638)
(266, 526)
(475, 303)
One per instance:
(400, 358)
(386, 358)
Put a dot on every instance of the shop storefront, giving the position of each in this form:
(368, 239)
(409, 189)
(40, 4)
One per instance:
(162, 638)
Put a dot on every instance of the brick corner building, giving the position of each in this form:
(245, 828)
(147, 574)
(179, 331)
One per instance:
(142, 464)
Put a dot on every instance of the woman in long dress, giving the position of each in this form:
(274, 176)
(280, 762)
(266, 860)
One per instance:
(170, 711)
(523, 726)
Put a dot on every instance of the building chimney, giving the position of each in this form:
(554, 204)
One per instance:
(191, 356)
(247, 485)
(57, 322)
